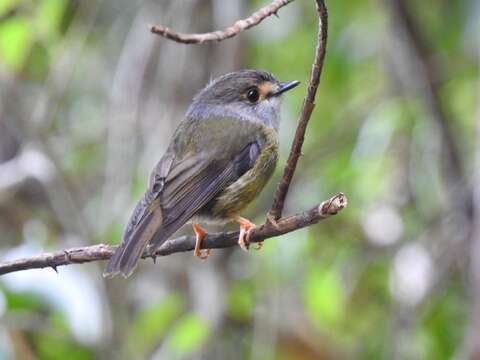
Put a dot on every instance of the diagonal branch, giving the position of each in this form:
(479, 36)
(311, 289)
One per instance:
(219, 35)
(226, 239)
(307, 109)
(185, 243)
(309, 102)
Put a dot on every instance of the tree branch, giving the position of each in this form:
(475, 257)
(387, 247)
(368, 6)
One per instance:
(184, 243)
(225, 239)
(219, 35)
(306, 112)
(309, 102)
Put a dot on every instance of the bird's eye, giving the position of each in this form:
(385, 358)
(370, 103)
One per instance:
(252, 95)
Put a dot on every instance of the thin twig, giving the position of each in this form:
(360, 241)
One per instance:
(219, 35)
(184, 243)
(309, 102)
(307, 109)
(226, 239)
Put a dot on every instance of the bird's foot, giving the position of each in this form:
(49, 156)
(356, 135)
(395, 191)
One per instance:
(246, 227)
(200, 234)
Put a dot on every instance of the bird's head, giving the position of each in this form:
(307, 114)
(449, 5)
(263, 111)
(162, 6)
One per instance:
(253, 95)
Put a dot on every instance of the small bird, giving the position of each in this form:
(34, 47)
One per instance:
(221, 156)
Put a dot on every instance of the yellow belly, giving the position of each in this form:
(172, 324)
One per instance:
(239, 194)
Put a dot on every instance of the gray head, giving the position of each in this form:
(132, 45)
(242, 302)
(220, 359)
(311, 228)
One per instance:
(253, 95)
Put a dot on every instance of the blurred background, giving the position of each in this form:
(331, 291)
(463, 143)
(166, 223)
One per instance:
(88, 101)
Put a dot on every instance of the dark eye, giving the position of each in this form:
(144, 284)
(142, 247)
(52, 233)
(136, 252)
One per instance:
(252, 95)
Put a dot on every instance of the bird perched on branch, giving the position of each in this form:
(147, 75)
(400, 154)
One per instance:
(220, 158)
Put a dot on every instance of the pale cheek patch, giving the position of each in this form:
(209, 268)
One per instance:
(266, 88)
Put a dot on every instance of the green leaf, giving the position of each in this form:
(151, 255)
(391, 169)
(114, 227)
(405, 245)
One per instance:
(23, 301)
(37, 64)
(49, 16)
(152, 322)
(15, 42)
(188, 335)
(240, 301)
(323, 297)
(444, 323)
(52, 345)
(7, 5)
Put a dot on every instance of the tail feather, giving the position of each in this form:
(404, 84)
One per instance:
(134, 244)
(150, 230)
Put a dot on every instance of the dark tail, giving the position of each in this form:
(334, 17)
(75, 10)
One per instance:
(148, 225)
(125, 258)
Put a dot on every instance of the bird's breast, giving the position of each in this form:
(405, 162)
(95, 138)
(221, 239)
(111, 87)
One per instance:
(240, 193)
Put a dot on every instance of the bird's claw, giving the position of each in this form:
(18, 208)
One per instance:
(204, 256)
(246, 227)
(243, 240)
(200, 234)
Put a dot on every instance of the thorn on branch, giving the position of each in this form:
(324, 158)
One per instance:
(150, 253)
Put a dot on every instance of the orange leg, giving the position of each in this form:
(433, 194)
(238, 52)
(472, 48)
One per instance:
(245, 227)
(200, 233)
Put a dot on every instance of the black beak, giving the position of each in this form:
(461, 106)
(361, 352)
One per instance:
(285, 86)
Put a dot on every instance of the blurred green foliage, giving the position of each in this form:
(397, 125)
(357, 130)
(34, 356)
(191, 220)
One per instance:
(31, 34)
(323, 297)
(324, 292)
(57, 344)
(15, 42)
(188, 335)
(153, 323)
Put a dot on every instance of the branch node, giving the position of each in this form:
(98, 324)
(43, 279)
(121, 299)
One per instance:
(272, 221)
(333, 205)
(68, 256)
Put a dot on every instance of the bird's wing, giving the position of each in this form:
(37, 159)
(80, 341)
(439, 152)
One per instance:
(176, 194)
(194, 187)
(146, 219)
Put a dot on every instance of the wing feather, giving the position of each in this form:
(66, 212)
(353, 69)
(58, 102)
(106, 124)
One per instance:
(180, 186)
(195, 194)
